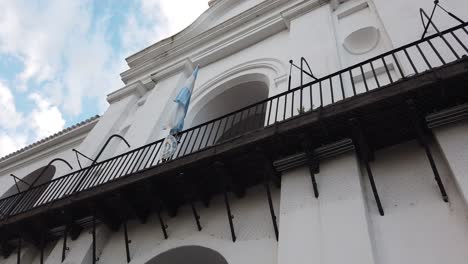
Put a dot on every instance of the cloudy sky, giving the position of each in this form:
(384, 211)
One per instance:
(59, 59)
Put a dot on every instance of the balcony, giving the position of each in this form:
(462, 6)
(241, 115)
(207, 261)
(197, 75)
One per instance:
(377, 103)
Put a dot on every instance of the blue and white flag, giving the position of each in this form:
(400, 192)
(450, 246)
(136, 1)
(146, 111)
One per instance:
(182, 102)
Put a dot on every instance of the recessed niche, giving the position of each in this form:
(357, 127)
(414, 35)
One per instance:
(362, 40)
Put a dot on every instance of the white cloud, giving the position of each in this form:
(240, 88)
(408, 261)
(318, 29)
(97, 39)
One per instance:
(45, 119)
(68, 57)
(10, 118)
(60, 47)
(18, 129)
(9, 144)
(158, 19)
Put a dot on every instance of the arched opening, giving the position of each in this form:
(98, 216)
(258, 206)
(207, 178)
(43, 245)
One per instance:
(30, 178)
(230, 100)
(189, 254)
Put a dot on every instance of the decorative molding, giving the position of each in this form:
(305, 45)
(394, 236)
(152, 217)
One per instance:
(137, 88)
(301, 9)
(321, 153)
(222, 40)
(274, 65)
(448, 116)
(353, 9)
(182, 39)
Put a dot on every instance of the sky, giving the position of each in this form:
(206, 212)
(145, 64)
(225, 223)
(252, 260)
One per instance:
(60, 58)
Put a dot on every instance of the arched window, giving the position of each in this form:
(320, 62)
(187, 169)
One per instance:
(189, 254)
(30, 178)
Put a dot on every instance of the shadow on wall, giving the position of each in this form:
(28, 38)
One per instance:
(30, 178)
(189, 254)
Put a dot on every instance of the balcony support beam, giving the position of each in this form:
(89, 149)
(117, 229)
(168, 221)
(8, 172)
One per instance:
(221, 171)
(312, 164)
(18, 255)
(365, 155)
(65, 248)
(196, 216)
(93, 233)
(423, 140)
(127, 241)
(272, 209)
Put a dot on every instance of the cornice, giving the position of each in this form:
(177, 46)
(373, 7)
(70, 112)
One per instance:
(159, 54)
(238, 32)
(300, 9)
(137, 88)
(200, 24)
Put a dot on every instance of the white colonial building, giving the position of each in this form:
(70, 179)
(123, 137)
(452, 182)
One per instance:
(360, 157)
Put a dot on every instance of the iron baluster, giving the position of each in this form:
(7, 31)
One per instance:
(411, 61)
(342, 87)
(387, 70)
(436, 52)
(352, 82)
(375, 75)
(424, 57)
(321, 94)
(398, 65)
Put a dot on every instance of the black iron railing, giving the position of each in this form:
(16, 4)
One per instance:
(412, 59)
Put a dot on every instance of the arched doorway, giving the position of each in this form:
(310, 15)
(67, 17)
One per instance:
(30, 178)
(230, 100)
(189, 255)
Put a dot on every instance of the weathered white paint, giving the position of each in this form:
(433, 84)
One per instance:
(418, 226)
(316, 229)
(453, 141)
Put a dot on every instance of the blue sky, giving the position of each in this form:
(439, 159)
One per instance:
(59, 59)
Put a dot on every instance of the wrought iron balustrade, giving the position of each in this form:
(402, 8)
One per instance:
(393, 66)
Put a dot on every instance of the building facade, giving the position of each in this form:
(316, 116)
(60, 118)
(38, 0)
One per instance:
(319, 131)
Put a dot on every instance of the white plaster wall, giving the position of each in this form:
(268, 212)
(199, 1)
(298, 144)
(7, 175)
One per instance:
(453, 141)
(233, 8)
(402, 21)
(315, 230)
(255, 242)
(418, 226)
(300, 40)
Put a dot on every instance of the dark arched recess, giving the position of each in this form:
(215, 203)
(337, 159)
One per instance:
(31, 177)
(189, 254)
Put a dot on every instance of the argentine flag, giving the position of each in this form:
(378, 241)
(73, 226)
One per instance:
(182, 101)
